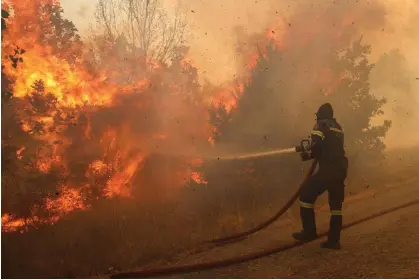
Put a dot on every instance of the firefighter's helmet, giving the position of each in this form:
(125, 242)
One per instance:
(325, 112)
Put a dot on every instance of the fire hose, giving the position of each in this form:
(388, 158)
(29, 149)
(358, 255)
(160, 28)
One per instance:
(169, 270)
(290, 202)
(302, 148)
(188, 268)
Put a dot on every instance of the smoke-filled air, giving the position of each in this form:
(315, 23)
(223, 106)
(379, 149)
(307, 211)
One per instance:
(134, 130)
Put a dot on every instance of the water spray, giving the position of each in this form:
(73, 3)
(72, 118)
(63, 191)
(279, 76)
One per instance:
(256, 155)
(304, 146)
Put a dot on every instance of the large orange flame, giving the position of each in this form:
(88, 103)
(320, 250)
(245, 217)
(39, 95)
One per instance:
(73, 94)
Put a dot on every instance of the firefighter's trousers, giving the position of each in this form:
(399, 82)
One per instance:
(311, 189)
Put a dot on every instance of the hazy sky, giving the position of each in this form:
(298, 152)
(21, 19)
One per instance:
(210, 39)
(211, 24)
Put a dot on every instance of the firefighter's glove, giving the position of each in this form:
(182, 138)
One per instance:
(305, 156)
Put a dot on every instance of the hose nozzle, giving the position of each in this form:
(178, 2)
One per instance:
(304, 146)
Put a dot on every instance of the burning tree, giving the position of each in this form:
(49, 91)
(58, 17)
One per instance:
(74, 134)
(100, 129)
(277, 104)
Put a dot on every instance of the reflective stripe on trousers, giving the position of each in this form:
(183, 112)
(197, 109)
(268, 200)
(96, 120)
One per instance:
(336, 212)
(306, 205)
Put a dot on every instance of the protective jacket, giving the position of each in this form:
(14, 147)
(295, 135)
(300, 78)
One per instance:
(327, 143)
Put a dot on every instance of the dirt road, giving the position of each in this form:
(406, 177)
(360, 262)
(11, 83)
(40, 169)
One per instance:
(386, 247)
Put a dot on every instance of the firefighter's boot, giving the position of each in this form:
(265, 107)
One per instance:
(333, 238)
(309, 225)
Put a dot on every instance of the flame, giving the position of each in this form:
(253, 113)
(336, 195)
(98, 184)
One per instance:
(65, 201)
(19, 152)
(68, 200)
(228, 96)
(10, 223)
(71, 86)
(101, 121)
(65, 106)
(120, 183)
(98, 167)
(195, 176)
(198, 178)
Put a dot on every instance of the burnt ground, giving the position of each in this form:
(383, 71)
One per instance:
(386, 247)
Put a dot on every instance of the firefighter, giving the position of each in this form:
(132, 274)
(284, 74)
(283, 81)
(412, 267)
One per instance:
(327, 146)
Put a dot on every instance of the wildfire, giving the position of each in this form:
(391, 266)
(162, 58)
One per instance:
(120, 182)
(228, 96)
(71, 87)
(98, 127)
(68, 200)
(198, 178)
(90, 125)
(10, 223)
(19, 152)
(65, 202)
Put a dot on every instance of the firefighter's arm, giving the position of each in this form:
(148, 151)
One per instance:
(317, 135)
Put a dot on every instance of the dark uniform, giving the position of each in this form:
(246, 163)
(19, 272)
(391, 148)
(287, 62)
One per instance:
(327, 146)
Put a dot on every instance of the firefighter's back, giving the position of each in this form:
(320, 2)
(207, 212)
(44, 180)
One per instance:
(333, 151)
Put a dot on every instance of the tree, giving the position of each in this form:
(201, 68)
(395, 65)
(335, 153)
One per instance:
(4, 15)
(144, 26)
(47, 26)
(256, 116)
(275, 110)
(359, 106)
(61, 34)
(25, 186)
(49, 148)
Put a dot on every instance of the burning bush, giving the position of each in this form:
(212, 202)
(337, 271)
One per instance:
(74, 133)
(99, 126)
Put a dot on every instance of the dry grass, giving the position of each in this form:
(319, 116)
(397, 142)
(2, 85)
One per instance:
(120, 234)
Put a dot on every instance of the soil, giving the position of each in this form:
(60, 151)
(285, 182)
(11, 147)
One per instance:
(386, 247)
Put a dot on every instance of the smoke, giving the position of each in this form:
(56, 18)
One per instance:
(105, 129)
(167, 115)
(393, 79)
(213, 38)
(220, 46)
(83, 10)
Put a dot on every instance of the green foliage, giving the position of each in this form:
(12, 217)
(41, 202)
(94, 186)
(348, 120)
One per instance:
(63, 36)
(356, 106)
(277, 108)
(4, 15)
(17, 56)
